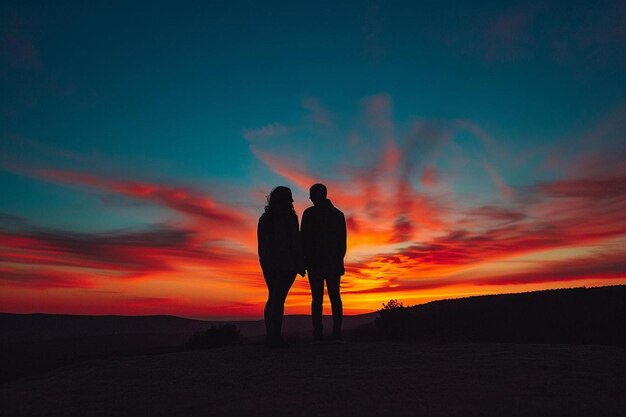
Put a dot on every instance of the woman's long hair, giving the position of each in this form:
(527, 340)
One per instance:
(280, 201)
(278, 209)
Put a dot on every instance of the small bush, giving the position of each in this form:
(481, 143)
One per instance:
(392, 304)
(392, 320)
(214, 336)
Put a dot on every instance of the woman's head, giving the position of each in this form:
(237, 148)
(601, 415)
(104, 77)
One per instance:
(280, 200)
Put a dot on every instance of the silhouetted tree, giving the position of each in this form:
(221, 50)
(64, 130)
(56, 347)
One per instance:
(392, 320)
(392, 304)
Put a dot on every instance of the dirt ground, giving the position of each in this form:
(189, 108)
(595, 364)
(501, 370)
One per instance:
(327, 379)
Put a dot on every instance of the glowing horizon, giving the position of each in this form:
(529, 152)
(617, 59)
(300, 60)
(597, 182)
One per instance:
(156, 212)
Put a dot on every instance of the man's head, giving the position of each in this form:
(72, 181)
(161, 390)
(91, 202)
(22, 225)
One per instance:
(318, 193)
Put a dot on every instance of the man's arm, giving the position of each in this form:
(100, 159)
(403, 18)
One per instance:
(340, 238)
(297, 243)
(343, 236)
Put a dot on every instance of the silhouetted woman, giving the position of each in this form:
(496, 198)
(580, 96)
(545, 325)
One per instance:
(280, 255)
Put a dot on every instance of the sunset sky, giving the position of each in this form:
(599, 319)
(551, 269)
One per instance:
(475, 148)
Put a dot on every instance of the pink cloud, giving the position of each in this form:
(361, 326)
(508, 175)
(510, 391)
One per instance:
(429, 176)
(297, 176)
(181, 199)
(504, 189)
(42, 279)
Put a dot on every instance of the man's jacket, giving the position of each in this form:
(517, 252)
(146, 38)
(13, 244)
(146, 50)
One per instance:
(323, 233)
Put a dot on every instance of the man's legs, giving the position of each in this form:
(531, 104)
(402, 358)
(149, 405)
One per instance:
(317, 296)
(333, 283)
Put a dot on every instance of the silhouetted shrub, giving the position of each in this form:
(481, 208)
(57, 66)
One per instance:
(392, 320)
(392, 305)
(214, 336)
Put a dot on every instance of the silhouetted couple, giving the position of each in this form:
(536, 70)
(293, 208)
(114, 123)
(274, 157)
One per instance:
(317, 249)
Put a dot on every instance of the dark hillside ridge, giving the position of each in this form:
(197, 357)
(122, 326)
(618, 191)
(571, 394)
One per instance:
(575, 316)
(37, 327)
(31, 343)
(18, 328)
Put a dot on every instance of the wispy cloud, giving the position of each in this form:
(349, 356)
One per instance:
(185, 200)
(268, 131)
(318, 114)
(42, 279)
(211, 242)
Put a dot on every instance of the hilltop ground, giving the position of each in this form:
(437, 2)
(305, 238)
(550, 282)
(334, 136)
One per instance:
(327, 379)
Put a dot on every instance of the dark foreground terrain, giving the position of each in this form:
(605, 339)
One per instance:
(33, 343)
(367, 378)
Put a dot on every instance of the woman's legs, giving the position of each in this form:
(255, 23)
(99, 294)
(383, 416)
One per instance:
(268, 312)
(278, 284)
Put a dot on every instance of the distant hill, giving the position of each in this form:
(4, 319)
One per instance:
(19, 328)
(37, 342)
(43, 327)
(578, 315)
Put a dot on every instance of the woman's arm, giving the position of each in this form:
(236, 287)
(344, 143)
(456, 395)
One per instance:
(261, 234)
(297, 245)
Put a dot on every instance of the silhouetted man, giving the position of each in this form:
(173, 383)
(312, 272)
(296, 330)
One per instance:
(323, 232)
